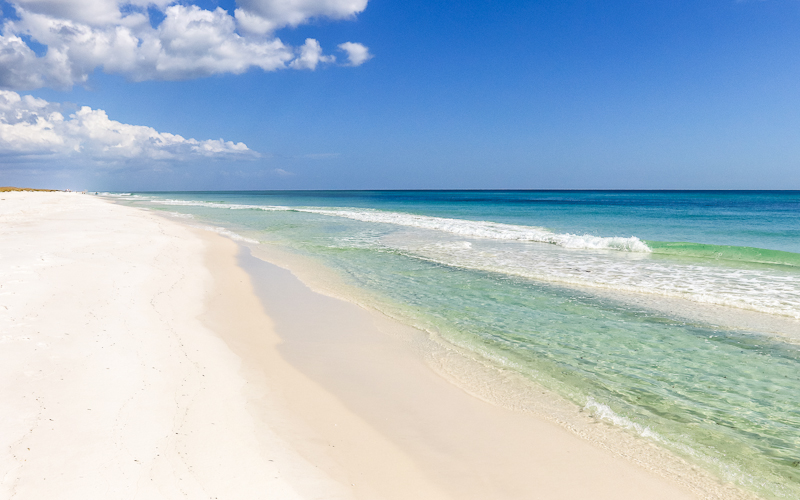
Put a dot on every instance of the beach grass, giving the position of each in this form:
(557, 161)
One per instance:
(5, 189)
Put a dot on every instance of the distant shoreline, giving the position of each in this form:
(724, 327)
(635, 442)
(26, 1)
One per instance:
(6, 189)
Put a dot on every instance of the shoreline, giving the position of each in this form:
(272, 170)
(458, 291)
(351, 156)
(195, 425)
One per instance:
(473, 448)
(305, 414)
(499, 387)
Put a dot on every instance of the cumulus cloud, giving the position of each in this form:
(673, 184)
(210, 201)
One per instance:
(264, 16)
(34, 127)
(310, 56)
(20, 68)
(189, 42)
(91, 12)
(357, 54)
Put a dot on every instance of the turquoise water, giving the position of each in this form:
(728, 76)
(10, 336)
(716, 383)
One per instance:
(546, 283)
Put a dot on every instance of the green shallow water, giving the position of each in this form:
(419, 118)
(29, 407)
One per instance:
(725, 252)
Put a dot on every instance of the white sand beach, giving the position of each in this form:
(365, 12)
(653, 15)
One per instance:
(137, 361)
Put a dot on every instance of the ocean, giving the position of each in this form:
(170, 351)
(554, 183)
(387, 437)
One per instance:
(674, 315)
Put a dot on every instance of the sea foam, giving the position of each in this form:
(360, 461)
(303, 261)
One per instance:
(460, 227)
(764, 290)
(758, 290)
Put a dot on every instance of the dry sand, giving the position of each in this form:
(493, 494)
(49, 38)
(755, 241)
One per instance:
(110, 386)
(137, 361)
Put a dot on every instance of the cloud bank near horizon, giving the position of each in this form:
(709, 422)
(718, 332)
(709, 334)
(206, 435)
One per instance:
(35, 128)
(59, 43)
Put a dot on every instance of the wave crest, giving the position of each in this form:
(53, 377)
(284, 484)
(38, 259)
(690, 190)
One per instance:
(461, 227)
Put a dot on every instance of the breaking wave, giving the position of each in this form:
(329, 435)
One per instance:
(461, 227)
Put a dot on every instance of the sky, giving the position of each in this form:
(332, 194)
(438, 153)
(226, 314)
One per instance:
(378, 94)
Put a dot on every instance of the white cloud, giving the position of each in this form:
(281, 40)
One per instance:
(196, 42)
(357, 54)
(19, 66)
(310, 56)
(190, 42)
(92, 12)
(33, 127)
(264, 16)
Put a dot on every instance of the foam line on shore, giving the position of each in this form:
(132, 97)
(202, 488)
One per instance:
(461, 227)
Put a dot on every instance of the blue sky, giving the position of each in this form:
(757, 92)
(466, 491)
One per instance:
(514, 95)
